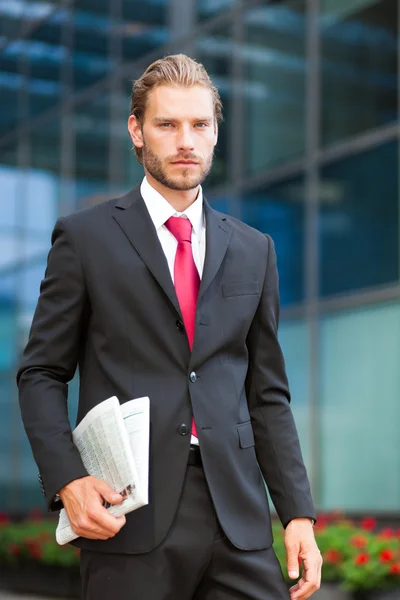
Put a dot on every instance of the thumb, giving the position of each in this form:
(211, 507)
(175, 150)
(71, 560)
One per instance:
(108, 493)
(293, 562)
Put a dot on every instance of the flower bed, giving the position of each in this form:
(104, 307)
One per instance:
(357, 556)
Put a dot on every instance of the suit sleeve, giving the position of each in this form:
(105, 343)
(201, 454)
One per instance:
(276, 440)
(49, 363)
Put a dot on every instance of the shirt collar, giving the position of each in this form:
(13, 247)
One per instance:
(160, 210)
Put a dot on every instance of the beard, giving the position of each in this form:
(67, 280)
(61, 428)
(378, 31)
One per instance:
(186, 180)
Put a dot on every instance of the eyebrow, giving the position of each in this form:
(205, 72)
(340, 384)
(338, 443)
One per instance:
(172, 120)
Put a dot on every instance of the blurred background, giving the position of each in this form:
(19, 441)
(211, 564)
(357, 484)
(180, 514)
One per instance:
(308, 153)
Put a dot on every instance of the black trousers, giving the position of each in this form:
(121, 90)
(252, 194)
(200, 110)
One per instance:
(194, 562)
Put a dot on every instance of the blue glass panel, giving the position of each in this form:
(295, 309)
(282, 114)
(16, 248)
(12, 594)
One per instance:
(207, 9)
(295, 341)
(279, 211)
(358, 224)
(359, 61)
(91, 123)
(360, 409)
(274, 57)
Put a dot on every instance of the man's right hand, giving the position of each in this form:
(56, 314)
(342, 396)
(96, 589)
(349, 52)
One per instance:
(83, 500)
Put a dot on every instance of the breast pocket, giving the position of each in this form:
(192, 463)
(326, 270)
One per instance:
(240, 288)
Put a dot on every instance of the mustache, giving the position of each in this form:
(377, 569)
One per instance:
(188, 156)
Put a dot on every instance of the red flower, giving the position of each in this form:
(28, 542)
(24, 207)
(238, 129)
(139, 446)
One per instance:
(4, 518)
(359, 541)
(386, 534)
(34, 548)
(398, 533)
(386, 555)
(368, 523)
(362, 559)
(332, 556)
(395, 569)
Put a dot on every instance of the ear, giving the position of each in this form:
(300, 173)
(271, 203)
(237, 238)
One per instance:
(135, 131)
(215, 132)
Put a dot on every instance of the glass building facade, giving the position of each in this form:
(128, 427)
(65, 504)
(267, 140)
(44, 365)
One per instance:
(308, 152)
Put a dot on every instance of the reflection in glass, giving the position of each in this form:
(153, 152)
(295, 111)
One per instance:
(46, 56)
(92, 135)
(358, 66)
(358, 223)
(143, 28)
(279, 210)
(12, 84)
(210, 8)
(9, 173)
(360, 409)
(42, 179)
(274, 85)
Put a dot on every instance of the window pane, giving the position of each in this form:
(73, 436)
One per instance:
(294, 338)
(274, 86)
(279, 211)
(41, 181)
(210, 8)
(47, 56)
(214, 51)
(359, 61)
(92, 131)
(90, 54)
(9, 186)
(143, 27)
(358, 223)
(360, 409)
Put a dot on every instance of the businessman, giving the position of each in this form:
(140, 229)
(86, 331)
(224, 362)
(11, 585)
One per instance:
(156, 294)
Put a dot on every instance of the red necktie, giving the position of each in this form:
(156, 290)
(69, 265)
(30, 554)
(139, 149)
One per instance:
(186, 277)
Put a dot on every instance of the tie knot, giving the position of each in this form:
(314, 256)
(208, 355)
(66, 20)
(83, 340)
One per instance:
(180, 227)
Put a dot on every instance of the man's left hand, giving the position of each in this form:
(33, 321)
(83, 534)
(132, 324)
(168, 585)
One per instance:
(301, 548)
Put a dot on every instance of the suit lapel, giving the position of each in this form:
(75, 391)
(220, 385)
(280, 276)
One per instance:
(133, 218)
(218, 234)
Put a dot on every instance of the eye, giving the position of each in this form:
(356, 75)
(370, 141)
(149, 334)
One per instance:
(201, 125)
(166, 125)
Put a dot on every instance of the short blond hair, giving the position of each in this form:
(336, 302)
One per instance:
(176, 69)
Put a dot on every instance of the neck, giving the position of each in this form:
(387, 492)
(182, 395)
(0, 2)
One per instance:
(179, 200)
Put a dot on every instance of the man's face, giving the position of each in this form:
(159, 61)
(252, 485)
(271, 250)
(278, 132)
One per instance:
(178, 135)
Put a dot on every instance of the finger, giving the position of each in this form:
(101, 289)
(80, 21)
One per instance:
(101, 519)
(307, 585)
(107, 493)
(92, 529)
(292, 551)
(296, 591)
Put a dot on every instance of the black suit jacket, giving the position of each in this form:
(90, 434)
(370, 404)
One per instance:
(108, 304)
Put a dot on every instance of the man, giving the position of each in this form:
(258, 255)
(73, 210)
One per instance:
(157, 294)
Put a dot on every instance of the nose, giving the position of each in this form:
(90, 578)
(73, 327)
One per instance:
(185, 140)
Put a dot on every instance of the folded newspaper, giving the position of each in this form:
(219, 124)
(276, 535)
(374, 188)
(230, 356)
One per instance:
(113, 441)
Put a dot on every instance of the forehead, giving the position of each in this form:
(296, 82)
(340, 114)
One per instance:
(176, 101)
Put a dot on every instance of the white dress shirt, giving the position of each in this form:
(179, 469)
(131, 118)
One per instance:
(160, 211)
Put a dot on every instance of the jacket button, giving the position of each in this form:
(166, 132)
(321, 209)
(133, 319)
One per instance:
(183, 429)
(193, 377)
(180, 326)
